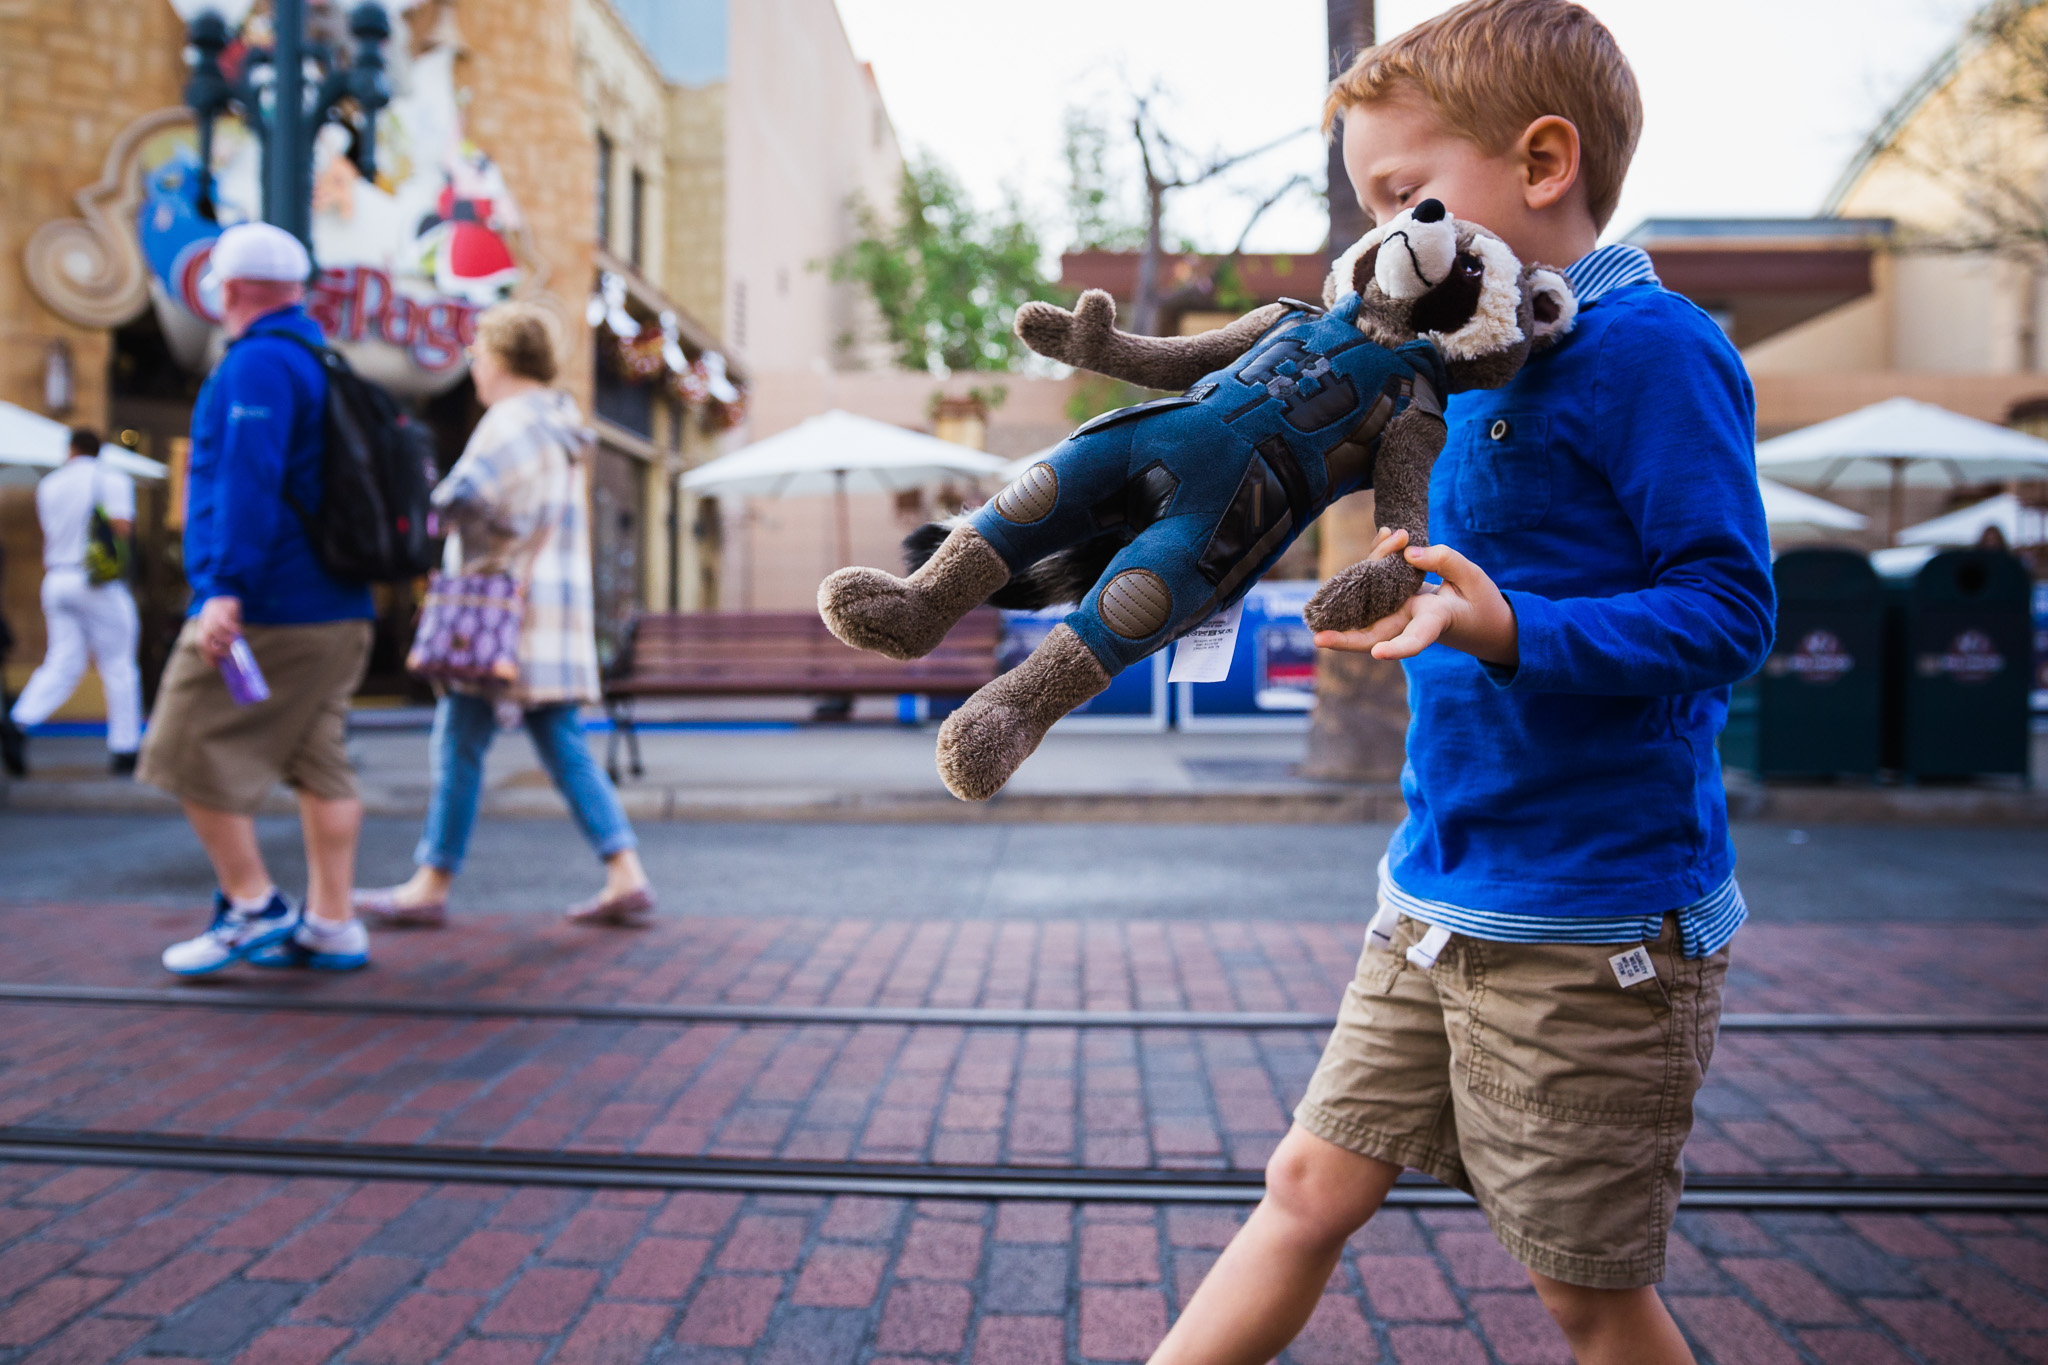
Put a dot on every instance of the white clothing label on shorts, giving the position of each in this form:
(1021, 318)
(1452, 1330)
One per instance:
(1203, 654)
(1379, 935)
(1424, 953)
(1633, 967)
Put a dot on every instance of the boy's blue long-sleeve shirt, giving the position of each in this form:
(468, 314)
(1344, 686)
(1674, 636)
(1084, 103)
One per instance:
(1610, 490)
(259, 428)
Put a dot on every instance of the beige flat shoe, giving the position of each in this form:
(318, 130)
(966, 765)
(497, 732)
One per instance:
(631, 910)
(382, 908)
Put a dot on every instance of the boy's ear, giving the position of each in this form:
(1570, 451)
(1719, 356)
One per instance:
(1552, 305)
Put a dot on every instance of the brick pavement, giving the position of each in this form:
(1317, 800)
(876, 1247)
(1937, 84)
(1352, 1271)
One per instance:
(1047, 1096)
(104, 1264)
(1208, 964)
(100, 1265)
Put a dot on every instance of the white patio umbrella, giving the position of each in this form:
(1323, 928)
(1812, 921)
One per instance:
(840, 453)
(2018, 523)
(1788, 509)
(1900, 444)
(31, 445)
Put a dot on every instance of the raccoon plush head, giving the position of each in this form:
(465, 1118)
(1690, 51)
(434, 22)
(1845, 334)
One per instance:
(1457, 285)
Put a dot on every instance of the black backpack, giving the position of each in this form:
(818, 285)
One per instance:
(376, 478)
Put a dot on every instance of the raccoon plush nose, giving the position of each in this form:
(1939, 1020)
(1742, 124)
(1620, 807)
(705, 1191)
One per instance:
(1430, 211)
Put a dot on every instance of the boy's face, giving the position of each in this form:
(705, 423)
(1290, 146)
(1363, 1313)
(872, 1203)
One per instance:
(1398, 154)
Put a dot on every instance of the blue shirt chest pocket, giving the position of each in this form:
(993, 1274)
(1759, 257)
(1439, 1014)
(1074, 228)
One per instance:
(1504, 472)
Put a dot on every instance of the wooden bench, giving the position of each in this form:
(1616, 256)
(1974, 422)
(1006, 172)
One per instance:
(780, 653)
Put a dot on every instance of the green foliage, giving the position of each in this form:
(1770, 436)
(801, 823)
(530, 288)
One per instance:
(1098, 207)
(1230, 295)
(1095, 394)
(946, 278)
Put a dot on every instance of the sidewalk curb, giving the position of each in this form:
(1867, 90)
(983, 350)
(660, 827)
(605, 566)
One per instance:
(1323, 804)
(1332, 805)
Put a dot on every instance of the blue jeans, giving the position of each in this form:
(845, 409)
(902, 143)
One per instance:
(463, 729)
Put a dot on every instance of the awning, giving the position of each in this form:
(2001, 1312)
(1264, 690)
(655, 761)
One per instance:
(31, 445)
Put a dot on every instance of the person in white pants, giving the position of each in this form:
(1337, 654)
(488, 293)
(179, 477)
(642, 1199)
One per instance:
(85, 620)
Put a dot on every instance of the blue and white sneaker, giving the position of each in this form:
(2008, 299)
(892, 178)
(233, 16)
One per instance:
(313, 948)
(233, 936)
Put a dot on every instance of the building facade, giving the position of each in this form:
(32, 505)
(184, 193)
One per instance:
(528, 153)
(1923, 275)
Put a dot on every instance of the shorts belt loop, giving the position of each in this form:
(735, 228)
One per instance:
(1424, 953)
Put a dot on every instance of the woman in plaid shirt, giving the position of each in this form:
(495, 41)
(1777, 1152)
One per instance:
(518, 503)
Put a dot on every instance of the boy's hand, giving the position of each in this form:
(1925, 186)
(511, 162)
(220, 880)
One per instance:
(1466, 611)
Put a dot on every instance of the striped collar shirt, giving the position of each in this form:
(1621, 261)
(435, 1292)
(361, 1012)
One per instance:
(1609, 267)
(1706, 925)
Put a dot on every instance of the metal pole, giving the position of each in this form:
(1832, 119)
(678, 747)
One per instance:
(1898, 500)
(1351, 29)
(842, 518)
(288, 178)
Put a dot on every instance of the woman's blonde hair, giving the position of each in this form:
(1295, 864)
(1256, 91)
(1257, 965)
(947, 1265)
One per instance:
(525, 337)
(1490, 68)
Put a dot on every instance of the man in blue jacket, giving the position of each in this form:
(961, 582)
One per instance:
(258, 438)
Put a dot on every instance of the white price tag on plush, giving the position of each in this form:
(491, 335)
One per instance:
(1203, 654)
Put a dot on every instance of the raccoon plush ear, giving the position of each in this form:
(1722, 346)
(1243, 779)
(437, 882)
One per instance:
(1552, 304)
(1349, 272)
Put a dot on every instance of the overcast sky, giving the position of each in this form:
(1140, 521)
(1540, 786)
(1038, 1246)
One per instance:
(1751, 106)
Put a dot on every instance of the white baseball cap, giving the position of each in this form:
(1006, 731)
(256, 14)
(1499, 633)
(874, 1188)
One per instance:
(256, 251)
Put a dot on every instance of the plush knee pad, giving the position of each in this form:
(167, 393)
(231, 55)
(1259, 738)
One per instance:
(1031, 496)
(1135, 604)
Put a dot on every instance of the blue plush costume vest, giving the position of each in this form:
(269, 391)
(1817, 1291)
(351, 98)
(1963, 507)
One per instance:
(1217, 482)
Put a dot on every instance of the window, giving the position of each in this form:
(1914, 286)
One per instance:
(636, 225)
(604, 191)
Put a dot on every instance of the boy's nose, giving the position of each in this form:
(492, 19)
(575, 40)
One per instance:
(1430, 211)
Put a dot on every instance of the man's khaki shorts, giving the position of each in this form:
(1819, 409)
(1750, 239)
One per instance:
(1529, 1077)
(201, 747)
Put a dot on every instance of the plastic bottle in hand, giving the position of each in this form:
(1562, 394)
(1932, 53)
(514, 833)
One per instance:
(244, 679)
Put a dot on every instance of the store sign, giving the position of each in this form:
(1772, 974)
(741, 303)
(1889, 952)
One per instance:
(1820, 658)
(1970, 658)
(407, 260)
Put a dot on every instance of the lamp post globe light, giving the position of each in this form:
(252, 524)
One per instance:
(285, 96)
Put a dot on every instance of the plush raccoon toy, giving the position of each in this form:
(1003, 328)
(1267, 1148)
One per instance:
(1155, 517)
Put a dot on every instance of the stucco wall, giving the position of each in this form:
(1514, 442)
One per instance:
(805, 131)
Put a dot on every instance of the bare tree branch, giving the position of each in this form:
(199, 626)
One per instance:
(1165, 167)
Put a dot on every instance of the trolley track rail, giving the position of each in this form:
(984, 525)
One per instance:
(220, 997)
(277, 1156)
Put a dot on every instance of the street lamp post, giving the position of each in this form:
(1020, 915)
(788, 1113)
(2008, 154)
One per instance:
(272, 96)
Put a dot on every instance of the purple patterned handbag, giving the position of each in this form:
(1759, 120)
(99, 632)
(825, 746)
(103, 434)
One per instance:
(469, 630)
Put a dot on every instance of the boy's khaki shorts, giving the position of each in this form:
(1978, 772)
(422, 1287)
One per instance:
(1527, 1076)
(201, 747)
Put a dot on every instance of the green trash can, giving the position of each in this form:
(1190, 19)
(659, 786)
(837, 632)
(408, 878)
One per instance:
(1961, 658)
(1737, 744)
(1820, 695)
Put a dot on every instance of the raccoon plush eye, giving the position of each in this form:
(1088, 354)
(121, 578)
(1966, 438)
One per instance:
(1468, 266)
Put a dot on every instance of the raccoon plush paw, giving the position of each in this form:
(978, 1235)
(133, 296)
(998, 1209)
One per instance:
(985, 741)
(906, 618)
(1362, 594)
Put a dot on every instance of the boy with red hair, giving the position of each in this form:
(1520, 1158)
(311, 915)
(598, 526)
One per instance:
(1539, 996)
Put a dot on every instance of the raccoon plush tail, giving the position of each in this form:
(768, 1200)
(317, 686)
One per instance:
(1061, 577)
